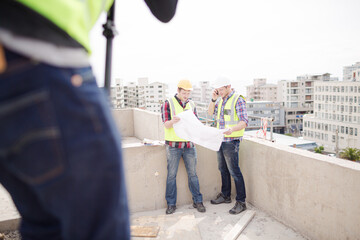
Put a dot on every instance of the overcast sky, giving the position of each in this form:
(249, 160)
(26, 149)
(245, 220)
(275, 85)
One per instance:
(272, 39)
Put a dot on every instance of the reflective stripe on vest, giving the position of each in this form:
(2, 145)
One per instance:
(230, 117)
(176, 108)
(73, 16)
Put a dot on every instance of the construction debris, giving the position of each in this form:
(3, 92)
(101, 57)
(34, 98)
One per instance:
(144, 231)
(240, 225)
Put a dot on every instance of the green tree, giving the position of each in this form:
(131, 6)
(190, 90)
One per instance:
(319, 149)
(352, 154)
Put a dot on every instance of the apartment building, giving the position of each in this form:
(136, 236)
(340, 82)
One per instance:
(140, 94)
(265, 109)
(352, 73)
(260, 91)
(298, 99)
(336, 119)
(117, 94)
(155, 95)
(201, 95)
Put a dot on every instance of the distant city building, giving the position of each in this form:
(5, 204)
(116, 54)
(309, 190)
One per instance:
(265, 109)
(142, 94)
(117, 94)
(260, 91)
(201, 95)
(202, 92)
(337, 106)
(298, 99)
(352, 73)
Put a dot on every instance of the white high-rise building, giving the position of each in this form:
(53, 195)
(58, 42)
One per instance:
(155, 95)
(352, 73)
(260, 91)
(201, 95)
(142, 94)
(337, 107)
(298, 98)
(117, 94)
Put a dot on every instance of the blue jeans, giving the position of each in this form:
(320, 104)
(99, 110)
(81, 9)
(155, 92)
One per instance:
(228, 162)
(60, 153)
(173, 156)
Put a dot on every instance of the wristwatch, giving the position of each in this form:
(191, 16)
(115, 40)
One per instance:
(213, 100)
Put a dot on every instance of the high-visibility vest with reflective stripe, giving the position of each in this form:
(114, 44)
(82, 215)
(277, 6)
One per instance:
(73, 16)
(175, 109)
(230, 117)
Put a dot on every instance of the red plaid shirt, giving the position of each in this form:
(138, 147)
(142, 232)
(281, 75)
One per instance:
(166, 116)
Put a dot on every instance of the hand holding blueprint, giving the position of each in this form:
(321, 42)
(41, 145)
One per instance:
(191, 129)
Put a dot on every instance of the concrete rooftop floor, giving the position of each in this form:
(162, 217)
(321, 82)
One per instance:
(214, 224)
(185, 223)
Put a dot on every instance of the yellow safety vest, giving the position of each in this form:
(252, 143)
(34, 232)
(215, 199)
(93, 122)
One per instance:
(73, 16)
(230, 117)
(175, 109)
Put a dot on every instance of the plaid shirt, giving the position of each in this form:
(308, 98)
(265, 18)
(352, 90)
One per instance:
(240, 111)
(166, 116)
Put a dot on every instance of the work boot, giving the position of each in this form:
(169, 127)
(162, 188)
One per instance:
(199, 206)
(238, 208)
(220, 198)
(170, 209)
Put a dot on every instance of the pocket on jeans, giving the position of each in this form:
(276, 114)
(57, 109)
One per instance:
(31, 139)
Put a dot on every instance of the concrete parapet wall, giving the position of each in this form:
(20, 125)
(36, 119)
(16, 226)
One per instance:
(148, 125)
(124, 119)
(317, 195)
(146, 171)
(139, 123)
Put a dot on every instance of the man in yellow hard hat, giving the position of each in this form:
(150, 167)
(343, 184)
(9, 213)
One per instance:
(177, 147)
(229, 111)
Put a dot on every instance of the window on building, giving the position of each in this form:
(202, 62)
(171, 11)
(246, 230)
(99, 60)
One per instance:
(355, 132)
(346, 130)
(342, 129)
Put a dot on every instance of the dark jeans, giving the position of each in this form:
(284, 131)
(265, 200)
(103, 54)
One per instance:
(60, 153)
(173, 156)
(228, 162)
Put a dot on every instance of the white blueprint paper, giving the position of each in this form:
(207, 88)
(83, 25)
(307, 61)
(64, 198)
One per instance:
(191, 129)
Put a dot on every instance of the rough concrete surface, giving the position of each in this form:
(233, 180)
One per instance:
(9, 216)
(214, 224)
(10, 235)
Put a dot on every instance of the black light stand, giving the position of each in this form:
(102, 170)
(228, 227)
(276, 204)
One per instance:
(109, 32)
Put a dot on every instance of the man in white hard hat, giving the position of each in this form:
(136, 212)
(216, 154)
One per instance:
(177, 147)
(229, 111)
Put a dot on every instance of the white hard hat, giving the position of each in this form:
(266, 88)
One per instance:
(221, 82)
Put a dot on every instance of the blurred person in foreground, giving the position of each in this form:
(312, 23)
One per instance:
(60, 151)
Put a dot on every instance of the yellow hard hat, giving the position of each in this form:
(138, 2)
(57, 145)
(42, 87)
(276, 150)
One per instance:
(185, 84)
